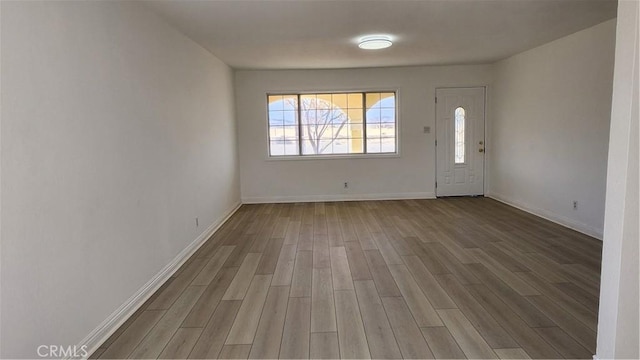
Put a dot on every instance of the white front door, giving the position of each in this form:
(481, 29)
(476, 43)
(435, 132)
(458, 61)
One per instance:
(460, 141)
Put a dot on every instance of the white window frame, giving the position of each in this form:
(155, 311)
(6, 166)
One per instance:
(301, 157)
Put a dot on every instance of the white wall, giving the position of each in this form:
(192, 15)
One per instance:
(618, 334)
(411, 175)
(117, 131)
(549, 128)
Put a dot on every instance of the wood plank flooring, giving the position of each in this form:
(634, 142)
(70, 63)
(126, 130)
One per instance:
(445, 278)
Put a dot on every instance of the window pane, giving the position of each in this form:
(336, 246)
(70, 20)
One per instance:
(388, 145)
(373, 100)
(459, 117)
(388, 115)
(308, 116)
(388, 100)
(275, 102)
(373, 130)
(289, 117)
(325, 147)
(308, 132)
(354, 130)
(381, 122)
(340, 101)
(283, 125)
(373, 145)
(325, 132)
(341, 146)
(338, 116)
(290, 132)
(373, 116)
(324, 98)
(276, 148)
(290, 147)
(387, 130)
(276, 133)
(290, 102)
(355, 115)
(354, 100)
(341, 132)
(332, 146)
(356, 146)
(282, 102)
(307, 99)
(311, 147)
(276, 118)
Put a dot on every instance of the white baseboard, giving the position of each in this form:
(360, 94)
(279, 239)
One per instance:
(335, 197)
(100, 334)
(549, 215)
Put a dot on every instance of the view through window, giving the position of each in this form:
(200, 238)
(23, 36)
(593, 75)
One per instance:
(459, 119)
(332, 123)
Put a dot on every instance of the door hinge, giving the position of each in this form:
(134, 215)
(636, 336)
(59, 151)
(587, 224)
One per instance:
(436, 184)
(436, 142)
(436, 99)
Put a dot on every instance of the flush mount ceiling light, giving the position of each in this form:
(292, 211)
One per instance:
(375, 42)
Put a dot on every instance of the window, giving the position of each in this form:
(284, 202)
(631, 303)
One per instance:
(332, 124)
(459, 117)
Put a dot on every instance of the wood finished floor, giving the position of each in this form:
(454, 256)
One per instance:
(447, 278)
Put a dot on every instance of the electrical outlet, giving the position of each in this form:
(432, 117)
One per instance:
(575, 205)
(196, 222)
(346, 185)
(426, 129)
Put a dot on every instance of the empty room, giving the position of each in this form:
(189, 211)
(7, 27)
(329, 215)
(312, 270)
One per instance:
(235, 179)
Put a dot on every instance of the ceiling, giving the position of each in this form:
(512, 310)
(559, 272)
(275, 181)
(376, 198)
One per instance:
(322, 34)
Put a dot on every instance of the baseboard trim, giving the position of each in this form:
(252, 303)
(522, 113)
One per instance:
(339, 197)
(100, 334)
(549, 215)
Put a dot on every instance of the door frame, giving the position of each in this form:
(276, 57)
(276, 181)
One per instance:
(435, 135)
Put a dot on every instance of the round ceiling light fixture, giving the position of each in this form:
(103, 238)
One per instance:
(375, 42)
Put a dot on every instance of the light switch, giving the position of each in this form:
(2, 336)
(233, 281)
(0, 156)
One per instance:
(427, 130)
